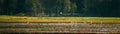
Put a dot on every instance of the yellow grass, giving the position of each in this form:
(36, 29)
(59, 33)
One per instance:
(61, 19)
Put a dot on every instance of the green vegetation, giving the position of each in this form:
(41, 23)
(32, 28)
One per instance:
(65, 8)
(59, 18)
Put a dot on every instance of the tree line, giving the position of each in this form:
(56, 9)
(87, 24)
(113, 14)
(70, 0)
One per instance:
(60, 8)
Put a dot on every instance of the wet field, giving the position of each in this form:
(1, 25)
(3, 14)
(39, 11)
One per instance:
(59, 28)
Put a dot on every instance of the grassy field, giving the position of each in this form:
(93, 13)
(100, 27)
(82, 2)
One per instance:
(60, 19)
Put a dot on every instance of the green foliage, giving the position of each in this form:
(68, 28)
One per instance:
(20, 14)
(54, 7)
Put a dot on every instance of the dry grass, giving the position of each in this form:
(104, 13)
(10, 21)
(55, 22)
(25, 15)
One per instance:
(60, 19)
